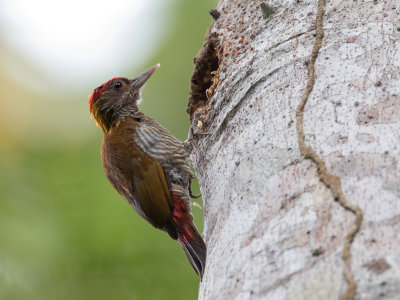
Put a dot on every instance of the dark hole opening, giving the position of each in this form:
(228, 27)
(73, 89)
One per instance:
(206, 63)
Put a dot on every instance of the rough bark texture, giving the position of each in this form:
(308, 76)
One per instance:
(300, 170)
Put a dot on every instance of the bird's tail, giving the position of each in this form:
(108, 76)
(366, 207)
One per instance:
(194, 247)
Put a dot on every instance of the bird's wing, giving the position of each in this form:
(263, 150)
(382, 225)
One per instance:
(151, 192)
(140, 179)
(159, 143)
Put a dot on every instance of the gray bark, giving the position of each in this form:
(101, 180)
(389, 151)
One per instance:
(299, 171)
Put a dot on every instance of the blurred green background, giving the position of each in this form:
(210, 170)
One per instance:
(64, 232)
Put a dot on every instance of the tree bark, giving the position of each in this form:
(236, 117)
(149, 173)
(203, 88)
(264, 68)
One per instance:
(297, 147)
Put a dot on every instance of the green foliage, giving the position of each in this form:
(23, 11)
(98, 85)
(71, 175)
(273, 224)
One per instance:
(64, 232)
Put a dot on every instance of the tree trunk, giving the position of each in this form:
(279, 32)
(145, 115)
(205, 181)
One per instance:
(297, 149)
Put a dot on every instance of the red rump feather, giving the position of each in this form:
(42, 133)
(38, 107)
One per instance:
(188, 236)
(182, 217)
(96, 93)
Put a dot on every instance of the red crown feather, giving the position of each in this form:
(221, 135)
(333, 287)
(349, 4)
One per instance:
(96, 93)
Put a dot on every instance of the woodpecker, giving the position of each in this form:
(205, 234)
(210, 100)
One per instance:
(146, 164)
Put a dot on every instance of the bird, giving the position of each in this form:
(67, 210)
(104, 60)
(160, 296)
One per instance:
(146, 164)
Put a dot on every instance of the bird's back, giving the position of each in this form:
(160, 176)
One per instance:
(162, 146)
(139, 178)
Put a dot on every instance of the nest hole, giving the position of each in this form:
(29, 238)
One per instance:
(205, 75)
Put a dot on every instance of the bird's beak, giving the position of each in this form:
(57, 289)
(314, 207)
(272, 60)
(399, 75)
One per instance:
(138, 81)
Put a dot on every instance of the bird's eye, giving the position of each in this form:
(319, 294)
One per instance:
(117, 85)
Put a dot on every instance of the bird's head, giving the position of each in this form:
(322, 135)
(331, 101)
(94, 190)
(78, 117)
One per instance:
(117, 98)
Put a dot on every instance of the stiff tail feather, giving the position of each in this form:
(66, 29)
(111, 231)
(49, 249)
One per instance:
(195, 249)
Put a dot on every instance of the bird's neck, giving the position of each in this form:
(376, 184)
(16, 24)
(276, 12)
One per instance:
(108, 118)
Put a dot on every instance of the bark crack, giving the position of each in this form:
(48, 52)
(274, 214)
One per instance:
(232, 112)
(331, 181)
